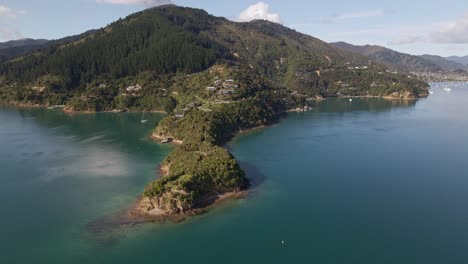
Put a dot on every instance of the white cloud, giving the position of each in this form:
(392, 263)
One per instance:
(8, 33)
(452, 32)
(455, 48)
(260, 10)
(344, 16)
(361, 14)
(389, 31)
(137, 2)
(6, 12)
(404, 40)
(9, 23)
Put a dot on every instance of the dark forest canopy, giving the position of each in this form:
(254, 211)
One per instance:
(162, 43)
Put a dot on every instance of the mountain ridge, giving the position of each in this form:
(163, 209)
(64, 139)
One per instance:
(459, 59)
(22, 42)
(401, 61)
(14, 48)
(18, 48)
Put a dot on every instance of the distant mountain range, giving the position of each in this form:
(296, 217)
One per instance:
(17, 48)
(403, 62)
(22, 43)
(392, 59)
(462, 60)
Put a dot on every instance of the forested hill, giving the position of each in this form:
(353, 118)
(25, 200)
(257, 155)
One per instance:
(17, 48)
(14, 48)
(22, 43)
(400, 61)
(158, 47)
(463, 60)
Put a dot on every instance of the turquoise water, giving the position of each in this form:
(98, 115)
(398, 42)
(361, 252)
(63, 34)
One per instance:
(367, 181)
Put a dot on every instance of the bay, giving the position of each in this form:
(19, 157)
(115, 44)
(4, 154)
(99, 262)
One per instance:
(362, 181)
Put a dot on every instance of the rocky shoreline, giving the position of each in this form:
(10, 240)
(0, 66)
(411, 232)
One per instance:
(393, 96)
(146, 210)
(160, 139)
(138, 214)
(68, 110)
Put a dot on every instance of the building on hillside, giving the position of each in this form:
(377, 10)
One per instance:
(134, 88)
(225, 92)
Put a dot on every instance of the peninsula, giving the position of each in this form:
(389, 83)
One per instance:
(214, 78)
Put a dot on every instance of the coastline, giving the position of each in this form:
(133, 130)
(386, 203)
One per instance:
(22, 105)
(159, 139)
(109, 111)
(382, 97)
(129, 217)
(118, 111)
(145, 207)
(144, 210)
(68, 111)
(300, 110)
(250, 130)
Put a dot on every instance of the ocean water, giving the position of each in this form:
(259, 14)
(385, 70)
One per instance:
(361, 181)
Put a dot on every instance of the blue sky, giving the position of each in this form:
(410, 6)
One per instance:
(415, 27)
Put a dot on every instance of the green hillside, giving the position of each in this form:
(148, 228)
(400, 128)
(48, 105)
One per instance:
(402, 62)
(153, 47)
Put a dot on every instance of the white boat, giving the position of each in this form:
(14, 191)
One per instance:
(431, 92)
(447, 89)
(142, 119)
(350, 100)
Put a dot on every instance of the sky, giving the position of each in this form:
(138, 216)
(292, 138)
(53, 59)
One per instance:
(416, 27)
